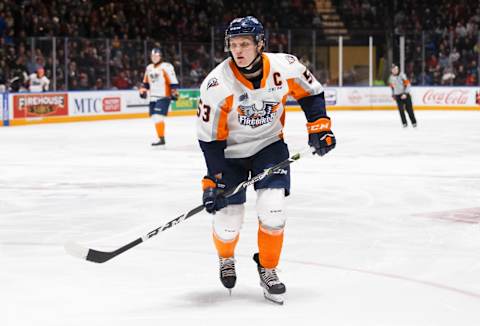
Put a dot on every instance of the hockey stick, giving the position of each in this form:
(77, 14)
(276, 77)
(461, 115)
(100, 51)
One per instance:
(98, 256)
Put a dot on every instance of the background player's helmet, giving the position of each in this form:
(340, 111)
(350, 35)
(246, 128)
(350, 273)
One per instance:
(156, 55)
(244, 26)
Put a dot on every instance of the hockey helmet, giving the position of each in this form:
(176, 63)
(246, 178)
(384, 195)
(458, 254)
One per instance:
(244, 26)
(156, 55)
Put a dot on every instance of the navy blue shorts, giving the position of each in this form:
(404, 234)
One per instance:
(240, 169)
(159, 106)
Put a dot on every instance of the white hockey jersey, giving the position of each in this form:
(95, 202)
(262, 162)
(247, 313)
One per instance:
(38, 84)
(160, 77)
(250, 119)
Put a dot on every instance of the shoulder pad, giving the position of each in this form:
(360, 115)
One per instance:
(290, 65)
(214, 87)
(166, 65)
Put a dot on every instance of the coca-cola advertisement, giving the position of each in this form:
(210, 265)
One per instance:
(447, 96)
(40, 105)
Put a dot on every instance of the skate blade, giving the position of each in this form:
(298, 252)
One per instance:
(275, 298)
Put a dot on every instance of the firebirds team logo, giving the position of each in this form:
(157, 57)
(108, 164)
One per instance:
(250, 115)
(290, 58)
(212, 82)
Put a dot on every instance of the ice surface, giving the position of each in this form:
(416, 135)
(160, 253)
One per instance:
(384, 230)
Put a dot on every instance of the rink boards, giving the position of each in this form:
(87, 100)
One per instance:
(52, 107)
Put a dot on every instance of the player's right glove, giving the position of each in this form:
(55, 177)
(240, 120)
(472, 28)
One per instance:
(143, 92)
(320, 137)
(213, 190)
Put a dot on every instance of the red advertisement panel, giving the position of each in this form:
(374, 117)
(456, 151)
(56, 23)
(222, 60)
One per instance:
(111, 104)
(40, 105)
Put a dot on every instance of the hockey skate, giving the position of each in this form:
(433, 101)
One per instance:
(160, 142)
(273, 289)
(228, 276)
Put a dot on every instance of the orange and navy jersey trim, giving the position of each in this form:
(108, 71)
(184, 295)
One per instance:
(222, 126)
(239, 76)
(296, 90)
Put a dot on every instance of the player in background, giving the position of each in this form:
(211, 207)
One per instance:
(241, 115)
(400, 86)
(38, 82)
(160, 80)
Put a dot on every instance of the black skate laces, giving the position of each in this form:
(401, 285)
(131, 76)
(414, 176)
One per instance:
(227, 267)
(269, 276)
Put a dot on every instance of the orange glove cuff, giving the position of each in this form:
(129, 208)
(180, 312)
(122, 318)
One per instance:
(208, 183)
(319, 125)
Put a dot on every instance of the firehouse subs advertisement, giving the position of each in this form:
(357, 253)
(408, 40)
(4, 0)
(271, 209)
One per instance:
(28, 108)
(39, 105)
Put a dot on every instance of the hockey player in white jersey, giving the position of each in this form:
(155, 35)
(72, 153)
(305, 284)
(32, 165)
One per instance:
(38, 82)
(241, 115)
(161, 81)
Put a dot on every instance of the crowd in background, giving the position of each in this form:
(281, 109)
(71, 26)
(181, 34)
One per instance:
(105, 44)
(451, 40)
(444, 32)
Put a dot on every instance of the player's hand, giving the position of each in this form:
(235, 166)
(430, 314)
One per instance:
(143, 93)
(174, 96)
(213, 190)
(320, 137)
(404, 96)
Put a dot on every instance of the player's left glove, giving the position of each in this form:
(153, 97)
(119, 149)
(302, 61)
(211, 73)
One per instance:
(320, 137)
(174, 96)
(213, 190)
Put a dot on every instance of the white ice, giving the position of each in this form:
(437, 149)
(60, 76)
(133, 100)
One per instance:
(384, 230)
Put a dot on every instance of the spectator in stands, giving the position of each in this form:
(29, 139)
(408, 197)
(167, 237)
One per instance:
(83, 82)
(121, 81)
(99, 85)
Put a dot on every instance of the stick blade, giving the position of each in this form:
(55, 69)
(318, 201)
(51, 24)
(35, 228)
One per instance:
(76, 250)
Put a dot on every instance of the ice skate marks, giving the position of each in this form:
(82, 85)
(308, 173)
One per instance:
(467, 215)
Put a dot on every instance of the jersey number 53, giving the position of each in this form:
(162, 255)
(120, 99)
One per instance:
(203, 111)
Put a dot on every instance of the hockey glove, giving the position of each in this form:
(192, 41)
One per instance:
(174, 96)
(143, 93)
(213, 198)
(320, 137)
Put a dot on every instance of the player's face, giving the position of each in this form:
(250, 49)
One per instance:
(243, 49)
(155, 57)
(395, 70)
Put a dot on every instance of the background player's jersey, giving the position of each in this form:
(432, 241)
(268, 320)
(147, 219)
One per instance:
(250, 119)
(38, 84)
(399, 84)
(161, 77)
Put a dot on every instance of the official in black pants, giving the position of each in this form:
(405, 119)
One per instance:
(404, 102)
(400, 86)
